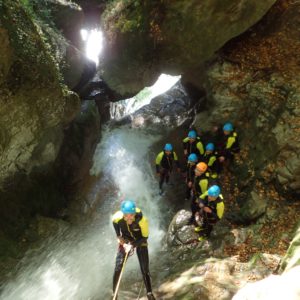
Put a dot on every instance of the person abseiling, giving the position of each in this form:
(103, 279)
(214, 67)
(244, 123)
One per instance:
(164, 164)
(228, 143)
(192, 144)
(210, 158)
(190, 174)
(131, 228)
(200, 186)
(211, 209)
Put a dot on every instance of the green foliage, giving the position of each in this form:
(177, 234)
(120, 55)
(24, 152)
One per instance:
(34, 55)
(39, 10)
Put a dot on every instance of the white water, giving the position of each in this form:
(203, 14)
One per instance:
(79, 264)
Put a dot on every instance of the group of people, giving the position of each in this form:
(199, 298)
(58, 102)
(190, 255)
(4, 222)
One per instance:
(203, 165)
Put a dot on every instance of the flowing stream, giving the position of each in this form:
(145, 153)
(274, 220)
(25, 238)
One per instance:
(78, 262)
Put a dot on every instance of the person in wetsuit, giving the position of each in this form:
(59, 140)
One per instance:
(131, 228)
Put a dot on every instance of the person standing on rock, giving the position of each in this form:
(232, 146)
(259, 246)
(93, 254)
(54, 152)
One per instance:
(211, 209)
(190, 174)
(200, 186)
(192, 144)
(164, 165)
(210, 158)
(228, 143)
(131, 228)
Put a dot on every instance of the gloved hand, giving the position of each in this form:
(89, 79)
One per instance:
(127, 247)
(207, 209)
(121, 240)
(221, 159)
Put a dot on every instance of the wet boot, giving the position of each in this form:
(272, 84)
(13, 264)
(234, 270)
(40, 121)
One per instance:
(150, 296)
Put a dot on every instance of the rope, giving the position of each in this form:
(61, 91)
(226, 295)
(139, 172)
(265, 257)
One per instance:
(119, 280)
(140, 291)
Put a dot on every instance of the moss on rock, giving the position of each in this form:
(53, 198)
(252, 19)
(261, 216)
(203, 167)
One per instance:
(145, 38)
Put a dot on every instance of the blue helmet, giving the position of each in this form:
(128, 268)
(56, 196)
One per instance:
(193, 157)
(214, 191)
(128, 207)
(168, 147)
(228, 126)
(210, 147)
(192, 134)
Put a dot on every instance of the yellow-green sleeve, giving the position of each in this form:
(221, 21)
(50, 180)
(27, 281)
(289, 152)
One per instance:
(159, 158)
(175, 155)
(220, 209)
(200, 147)
(230, 142)
(203, 185)
(144, 227)
(203, 195)
(211, 161)
(117, 217)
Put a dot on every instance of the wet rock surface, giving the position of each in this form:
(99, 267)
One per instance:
(173, 108)
(213, 278)
(180, 232)
(36, 109)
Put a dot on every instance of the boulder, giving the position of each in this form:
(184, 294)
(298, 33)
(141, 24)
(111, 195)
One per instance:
(145, 39)
(254, 207)
(68, 17)
(180, 233)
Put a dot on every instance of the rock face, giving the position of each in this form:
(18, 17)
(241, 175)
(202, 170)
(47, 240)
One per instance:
(253, 85)
(292, 257)
(34, 105)
(35, 109)
(76, 69)
(79, 144)
(255, 206)
(173, 108)
(180, 233)
(215, 279)
(145, 39)
(272, 287)
(280, 286)
(68, 17)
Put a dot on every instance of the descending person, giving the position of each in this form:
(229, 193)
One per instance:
(164, 164)
(192, 144)
(131, 228)
(211, 209)
(190, 174)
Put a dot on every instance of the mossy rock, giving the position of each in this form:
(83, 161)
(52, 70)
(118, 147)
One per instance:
(147, 38)
(292, 257)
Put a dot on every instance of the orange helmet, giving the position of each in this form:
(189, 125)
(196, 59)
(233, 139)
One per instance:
(201, 167)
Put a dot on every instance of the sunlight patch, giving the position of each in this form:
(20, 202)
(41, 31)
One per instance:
(144, 97)
(93, 43)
